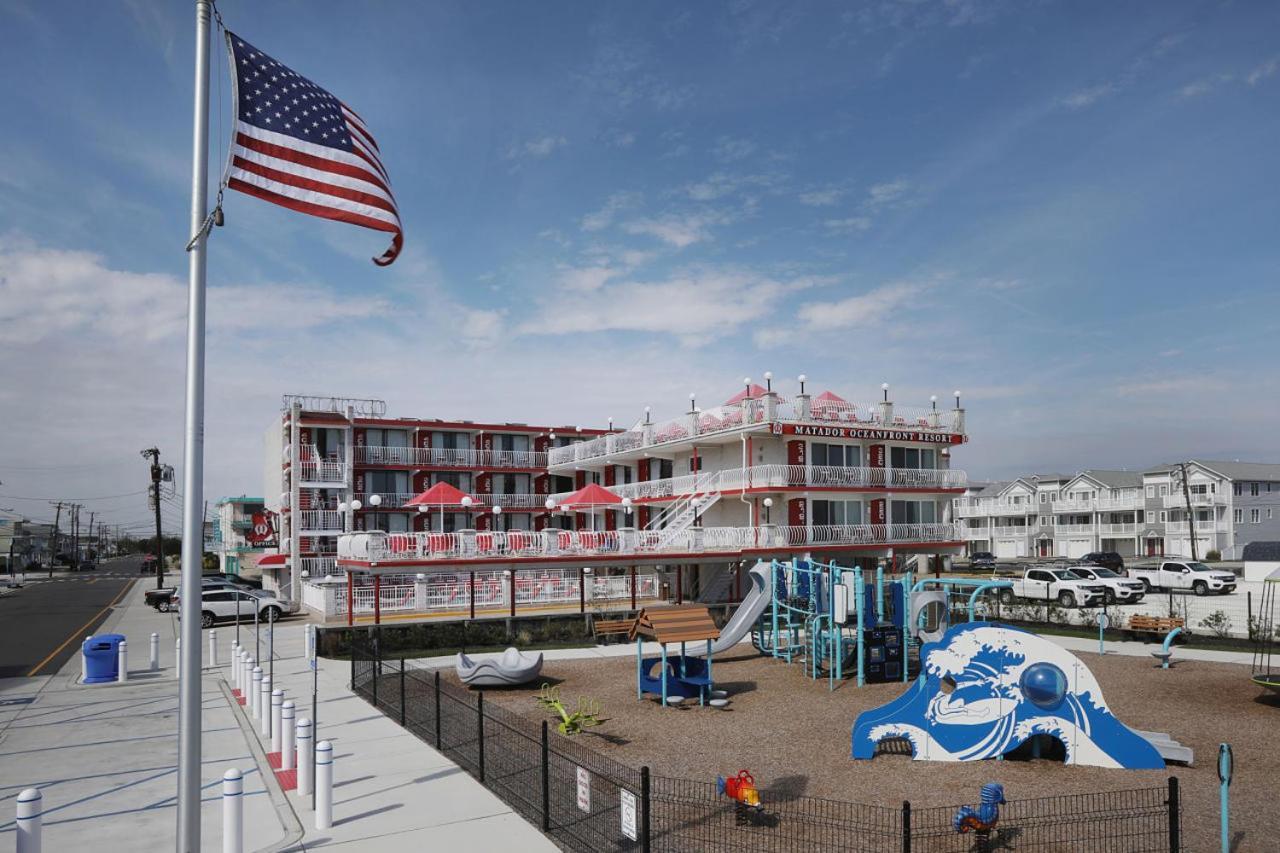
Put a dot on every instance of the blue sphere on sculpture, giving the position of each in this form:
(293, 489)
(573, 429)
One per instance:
(1044, 685)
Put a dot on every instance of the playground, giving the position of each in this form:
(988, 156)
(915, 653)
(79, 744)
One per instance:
(793, 732)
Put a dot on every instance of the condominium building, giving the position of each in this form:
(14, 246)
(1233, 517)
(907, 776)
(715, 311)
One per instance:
(242, 533)
(1134, 513)
(691, 498)
(335, 465)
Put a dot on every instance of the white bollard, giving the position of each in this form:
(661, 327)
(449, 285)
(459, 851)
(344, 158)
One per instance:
(177, 658)
(264, 705)
(155, 652)
(240, 674)
(277, 717)
(233, 664)
(304, 757)
(84, 663)
(30, 816)
(232, 811)
(255, 687)
(287, 732)
(122, 661)
(324, 785)
(213, 647)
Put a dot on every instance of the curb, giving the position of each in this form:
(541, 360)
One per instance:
(284, 809)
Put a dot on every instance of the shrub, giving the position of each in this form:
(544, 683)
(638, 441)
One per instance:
(1213, 556)
(1217, 622)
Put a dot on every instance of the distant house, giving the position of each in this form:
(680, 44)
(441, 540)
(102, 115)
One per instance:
(1260, 559)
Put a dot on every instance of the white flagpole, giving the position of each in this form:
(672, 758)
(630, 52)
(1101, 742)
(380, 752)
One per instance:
(189, 753)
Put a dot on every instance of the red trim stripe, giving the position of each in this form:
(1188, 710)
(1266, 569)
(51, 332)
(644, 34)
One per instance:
(311, 161)
(319, 210)
(293, 180)
(370, 159)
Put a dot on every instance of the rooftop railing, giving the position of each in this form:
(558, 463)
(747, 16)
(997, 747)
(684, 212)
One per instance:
(755, 412)
(515, 544)
(426, 457)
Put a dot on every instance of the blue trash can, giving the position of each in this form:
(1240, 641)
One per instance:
(102, 658)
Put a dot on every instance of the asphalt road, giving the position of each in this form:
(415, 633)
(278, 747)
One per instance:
(43, 623)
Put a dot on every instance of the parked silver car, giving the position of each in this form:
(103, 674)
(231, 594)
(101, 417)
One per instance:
(222, 603)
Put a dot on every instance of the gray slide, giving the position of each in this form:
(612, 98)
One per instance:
(1169, 749)
(759, 598)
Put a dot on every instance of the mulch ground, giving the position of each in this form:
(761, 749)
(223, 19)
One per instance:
(794, 734)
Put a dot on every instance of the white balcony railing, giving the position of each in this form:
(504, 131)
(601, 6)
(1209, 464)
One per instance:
(1202, 527)
(1118, 529)
(791, 476)
(312, 520)
(975, 507)
(971, 533)
(755, 412)
(1012, 530)
(427, 457)
(315, 469)
(1178, 500)
(318, 567)
(1069, 529)
(508, 501)
(471, 544)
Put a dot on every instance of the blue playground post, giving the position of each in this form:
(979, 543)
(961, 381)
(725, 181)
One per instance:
(639, 667)
(906, 624)
(1226, 765)
(664, 675)
(859, 597)
(1168, 641)
(981, 588)
(1102, 626)
(879, 591)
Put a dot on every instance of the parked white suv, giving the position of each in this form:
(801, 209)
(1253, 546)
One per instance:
(1055, 584)
(220, 603)
(1119, 589)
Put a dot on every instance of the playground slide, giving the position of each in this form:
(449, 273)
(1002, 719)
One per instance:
(1169, 749)
(744, 618)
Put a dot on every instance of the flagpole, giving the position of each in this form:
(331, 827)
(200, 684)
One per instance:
(189, 753)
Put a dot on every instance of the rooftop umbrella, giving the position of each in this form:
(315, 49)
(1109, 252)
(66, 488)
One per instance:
(441, 495)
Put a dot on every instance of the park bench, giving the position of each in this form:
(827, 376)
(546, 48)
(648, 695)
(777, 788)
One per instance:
(612, 627)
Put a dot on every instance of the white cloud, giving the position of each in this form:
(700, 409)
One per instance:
(729, 149)
(537, 149)
(1204, 85)
(722, 184)
(822, 198)
(847, 225)
(1129, 74)
(865, 309)
(614, 204)
(1263, 71)
(585, 279)
(481, 327)
(618, 138)
(679, 229)
(696, 305)
(887, 193)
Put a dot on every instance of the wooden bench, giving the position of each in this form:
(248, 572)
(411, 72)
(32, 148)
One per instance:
(1154, 625)
(612, 627)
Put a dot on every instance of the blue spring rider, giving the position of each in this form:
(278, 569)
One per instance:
(982, 820)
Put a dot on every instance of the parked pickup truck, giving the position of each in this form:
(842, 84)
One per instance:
(1119, 589)
(1058, 584)
(1197, 577)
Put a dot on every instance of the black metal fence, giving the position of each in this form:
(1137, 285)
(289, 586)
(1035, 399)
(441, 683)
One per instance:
(586, 801)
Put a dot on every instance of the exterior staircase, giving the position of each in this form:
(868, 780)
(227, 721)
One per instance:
(680, 516)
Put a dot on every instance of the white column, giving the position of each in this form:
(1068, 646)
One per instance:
(122, 662)
(177, 658)
(289, 744)
(30, 815)
(277, 715)
(232, 811)
(303, 737)
(155, 652)
(324, 785)
(264, 705)
(213, 647)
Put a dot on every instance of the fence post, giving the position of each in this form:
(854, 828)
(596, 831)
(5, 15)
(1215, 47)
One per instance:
(378, 660)
(906, 826)
(644, 809)
(480, 730)
(401, 692)
(1175, 817)
(633, 587)
(546, 782)
(437, 681)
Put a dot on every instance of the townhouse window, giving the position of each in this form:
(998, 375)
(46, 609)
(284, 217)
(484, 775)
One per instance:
(1253, 489)
(1200, 489)
(1044, 498)
(695, 464)
(1164, 516)
(1255, 516)
(1268, 513)
(1151, 491)
(1164, 491)
(1239, 516)
(1237, 489)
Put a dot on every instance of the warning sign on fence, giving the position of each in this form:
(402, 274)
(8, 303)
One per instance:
(584, 789)
(628, 811)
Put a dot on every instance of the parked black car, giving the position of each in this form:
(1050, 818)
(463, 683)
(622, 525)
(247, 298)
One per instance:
(238, 580)
(1107, 559)
(982, 560)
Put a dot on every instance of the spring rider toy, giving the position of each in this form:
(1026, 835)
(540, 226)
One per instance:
(744, 793)
(982, 820)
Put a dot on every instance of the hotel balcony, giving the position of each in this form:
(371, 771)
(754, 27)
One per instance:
(759, 414)
(1179, 501)
(1119, 529)
(316, 471)
(440, 457)
(360, 550)
(511, 502)
(1202, 527)
(319, 522)
(764, 478)
(977, 508)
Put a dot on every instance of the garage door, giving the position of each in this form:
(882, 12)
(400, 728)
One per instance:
(1010, 548)
(1076, 547)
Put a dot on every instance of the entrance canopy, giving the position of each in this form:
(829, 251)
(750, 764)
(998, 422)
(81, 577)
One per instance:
(273, 561)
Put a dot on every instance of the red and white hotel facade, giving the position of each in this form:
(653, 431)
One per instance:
(699, 495)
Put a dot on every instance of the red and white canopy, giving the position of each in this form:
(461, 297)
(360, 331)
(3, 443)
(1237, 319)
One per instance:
(590, 495)
(273, 561)
(441, 494)
(752, 391)
(828, 399)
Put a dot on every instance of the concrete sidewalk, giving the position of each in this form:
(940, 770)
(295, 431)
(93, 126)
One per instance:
(105, 758)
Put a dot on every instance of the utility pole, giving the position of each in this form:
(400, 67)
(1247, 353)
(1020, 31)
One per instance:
(156, 472)
(53, 545)
(93, 543)
(1191, 516)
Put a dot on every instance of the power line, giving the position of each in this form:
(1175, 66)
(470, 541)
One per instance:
(98, 498)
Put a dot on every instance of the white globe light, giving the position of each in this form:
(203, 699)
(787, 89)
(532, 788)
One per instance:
(933, 398)
(768, 501)
(746, 380)
(626, 501)
(506, 573)
(497, 510)
(375, 500)
(286, 543)
(423, 508)
(693, 395)
(550, 504)
(356, 505)
(420, 576)
(342, 507)
(467, 501)
(648, 408)
(586, 570)
(804, 378)
(768, 374)
(884, 386)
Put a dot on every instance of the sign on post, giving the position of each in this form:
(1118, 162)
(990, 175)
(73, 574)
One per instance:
(584, 789)
(628, 812)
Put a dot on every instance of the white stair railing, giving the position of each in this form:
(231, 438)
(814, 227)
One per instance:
(697, 503)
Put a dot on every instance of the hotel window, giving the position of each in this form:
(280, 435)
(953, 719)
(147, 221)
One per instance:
(912, 457)
(513, 443)
(461, 482)
(1255, 516)
(837, 455)
(836, 512)
(1253, 490)
(914, 512)
(1239, 516)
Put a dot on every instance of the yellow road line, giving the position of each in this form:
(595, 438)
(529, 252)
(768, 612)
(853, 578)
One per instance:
(79, 632)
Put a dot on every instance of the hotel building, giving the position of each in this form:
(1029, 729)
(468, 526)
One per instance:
(686, 501)
(1134, 513)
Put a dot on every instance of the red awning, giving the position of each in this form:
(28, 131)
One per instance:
(590, 495)
(441, 494)
(273, 560)
(753, 392)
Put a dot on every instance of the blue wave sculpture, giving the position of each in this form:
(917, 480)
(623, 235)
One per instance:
(985, 688)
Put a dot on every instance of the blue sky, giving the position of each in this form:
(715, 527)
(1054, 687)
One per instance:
(1066, 210)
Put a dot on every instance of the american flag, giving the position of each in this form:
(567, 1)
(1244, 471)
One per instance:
(298, 146)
